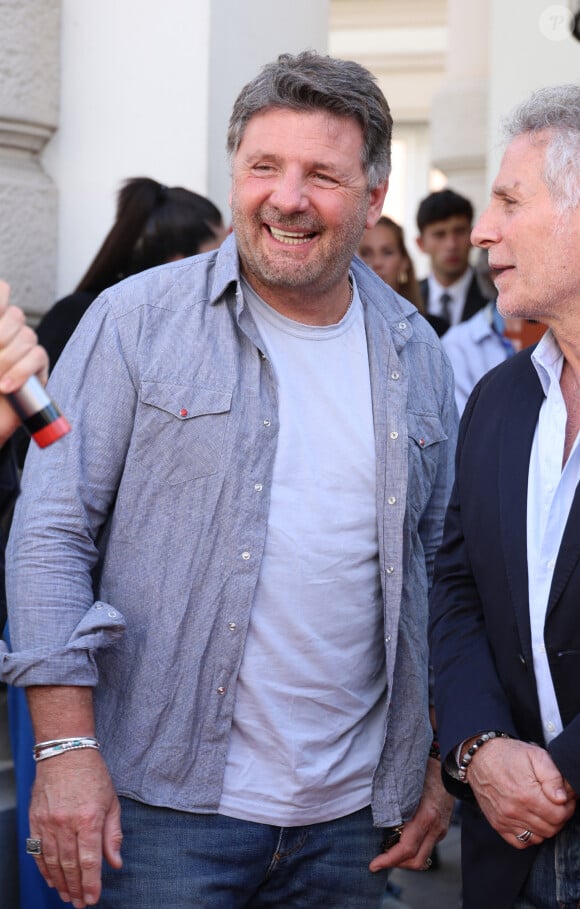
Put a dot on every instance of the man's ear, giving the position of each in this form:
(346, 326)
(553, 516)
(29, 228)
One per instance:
(376, 202)
(420, 243)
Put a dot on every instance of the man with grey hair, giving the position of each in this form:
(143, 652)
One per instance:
(505, 633)
(218, 590)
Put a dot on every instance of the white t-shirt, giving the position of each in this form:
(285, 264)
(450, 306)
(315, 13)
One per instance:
(309, 720)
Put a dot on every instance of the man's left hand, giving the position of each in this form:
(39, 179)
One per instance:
(427, 827)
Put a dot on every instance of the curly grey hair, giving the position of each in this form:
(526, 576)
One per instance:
(555, 109)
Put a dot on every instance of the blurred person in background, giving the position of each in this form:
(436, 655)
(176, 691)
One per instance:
(451, 291)
(384, 250)
(154, 224)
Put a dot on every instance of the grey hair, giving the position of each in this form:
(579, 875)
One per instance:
(311, 82)
(555, 108)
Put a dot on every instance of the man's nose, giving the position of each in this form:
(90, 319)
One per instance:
(485, 232)
(290, 192)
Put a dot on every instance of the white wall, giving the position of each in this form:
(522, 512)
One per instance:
(133, 89)
(244, 36)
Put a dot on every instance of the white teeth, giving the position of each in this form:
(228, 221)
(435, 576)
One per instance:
(287, 237)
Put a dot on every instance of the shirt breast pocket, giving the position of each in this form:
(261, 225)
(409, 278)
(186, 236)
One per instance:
(180, 430)
(426, 434)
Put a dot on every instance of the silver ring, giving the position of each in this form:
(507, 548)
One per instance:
(524, 837)
(428, 863)
(33, 847)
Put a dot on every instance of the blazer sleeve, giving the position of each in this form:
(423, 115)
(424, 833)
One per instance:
(469, 698)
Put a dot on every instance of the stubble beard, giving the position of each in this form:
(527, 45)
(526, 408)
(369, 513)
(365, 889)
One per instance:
(279, 271)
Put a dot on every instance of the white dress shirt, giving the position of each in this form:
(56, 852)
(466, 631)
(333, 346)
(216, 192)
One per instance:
(457, 292)
(474, 347)
(551, 490)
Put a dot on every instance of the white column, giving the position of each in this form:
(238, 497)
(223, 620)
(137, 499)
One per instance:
(29, 87)
(133, 103)
(459, 110)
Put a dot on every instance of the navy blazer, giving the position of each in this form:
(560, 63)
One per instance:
(480, 628)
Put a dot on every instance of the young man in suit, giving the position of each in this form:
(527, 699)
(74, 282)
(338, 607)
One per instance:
(505, 634)
(451, 292)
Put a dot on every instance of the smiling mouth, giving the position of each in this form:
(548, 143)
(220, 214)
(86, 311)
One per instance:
(291, 238)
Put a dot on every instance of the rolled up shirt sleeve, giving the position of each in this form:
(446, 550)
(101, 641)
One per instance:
(74, 662)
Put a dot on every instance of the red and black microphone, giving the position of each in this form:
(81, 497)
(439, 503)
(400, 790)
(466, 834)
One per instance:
(39, 415)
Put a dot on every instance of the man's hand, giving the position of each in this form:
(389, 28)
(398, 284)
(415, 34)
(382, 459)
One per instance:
(519, 788)
(427, 827)
(20, 357)
(76, 815)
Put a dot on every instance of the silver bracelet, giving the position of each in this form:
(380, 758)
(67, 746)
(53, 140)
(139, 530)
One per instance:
(44, 750)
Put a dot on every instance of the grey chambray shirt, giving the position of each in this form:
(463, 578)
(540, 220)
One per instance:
(137, 539)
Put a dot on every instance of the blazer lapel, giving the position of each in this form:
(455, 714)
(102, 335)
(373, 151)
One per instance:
(568, 554)
(521, 406)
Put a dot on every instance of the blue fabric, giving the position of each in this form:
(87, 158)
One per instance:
(210, 861)
(152, 504)
(554, 880)
(34, 892)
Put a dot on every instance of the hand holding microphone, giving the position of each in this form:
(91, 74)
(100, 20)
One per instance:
(23, 371)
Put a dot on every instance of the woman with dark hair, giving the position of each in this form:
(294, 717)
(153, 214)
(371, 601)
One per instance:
(154, 224)
(383, 248)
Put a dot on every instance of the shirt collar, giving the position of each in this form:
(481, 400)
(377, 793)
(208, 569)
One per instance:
(548, 361)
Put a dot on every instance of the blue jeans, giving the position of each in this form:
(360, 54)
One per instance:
(554, 879)
(178, 860)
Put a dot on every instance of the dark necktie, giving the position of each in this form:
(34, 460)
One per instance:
(445, 299)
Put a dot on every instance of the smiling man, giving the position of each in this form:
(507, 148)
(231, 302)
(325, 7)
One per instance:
(505, 629)
(226, 651)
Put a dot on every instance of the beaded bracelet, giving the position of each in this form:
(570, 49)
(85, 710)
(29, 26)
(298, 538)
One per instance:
(44, 750)
(468, 756)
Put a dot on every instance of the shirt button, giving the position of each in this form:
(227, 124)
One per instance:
(232, 626)
(391, 500)
(258, 487)
(550, 726)
(395, 376)
(402, 326)
(221, 690)
(245, 556)
(390, 569)
(551, 563)
(394, 435)
(387, 639)
(266, 422)
(112, 614)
